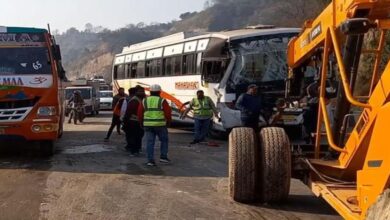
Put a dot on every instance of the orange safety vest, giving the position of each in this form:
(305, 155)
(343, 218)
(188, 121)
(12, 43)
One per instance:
(118, 106)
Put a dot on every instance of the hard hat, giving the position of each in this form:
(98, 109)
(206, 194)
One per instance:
(155, 88)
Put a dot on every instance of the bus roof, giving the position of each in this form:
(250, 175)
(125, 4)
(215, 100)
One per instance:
(17, 30)
(190, 36)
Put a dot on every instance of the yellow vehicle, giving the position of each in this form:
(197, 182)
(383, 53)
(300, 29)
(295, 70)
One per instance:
(356, 181)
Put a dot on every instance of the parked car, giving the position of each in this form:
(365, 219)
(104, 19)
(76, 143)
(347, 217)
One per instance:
(105, 100)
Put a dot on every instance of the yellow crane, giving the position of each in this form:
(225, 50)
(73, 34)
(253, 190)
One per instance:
(356, 182)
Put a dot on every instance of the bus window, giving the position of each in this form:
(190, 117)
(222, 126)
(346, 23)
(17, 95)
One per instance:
(157, 68)
(154, 68)
(189, 64)
(199, 63)
(119, 71)
(133, 71)
(128, 71)
(148, 68)
(213, 70)
(168, 66)
(177, 65)
(141, 70)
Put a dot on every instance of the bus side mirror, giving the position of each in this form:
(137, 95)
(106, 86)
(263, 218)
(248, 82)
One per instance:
(56, 51)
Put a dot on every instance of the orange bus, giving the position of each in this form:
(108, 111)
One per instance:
(30, 80)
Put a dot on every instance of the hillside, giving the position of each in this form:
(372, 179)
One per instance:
(90, 52)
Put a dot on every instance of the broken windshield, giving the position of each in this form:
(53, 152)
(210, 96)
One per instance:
(261, 60)
(24, 60)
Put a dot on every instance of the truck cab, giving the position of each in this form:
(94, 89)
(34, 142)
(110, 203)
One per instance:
(89, 92)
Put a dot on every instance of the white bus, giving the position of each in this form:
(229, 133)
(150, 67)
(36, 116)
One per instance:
(222, 64)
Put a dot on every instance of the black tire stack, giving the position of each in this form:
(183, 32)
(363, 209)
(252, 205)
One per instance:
(259, 165)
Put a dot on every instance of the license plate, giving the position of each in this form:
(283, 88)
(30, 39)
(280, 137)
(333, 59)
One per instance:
(2, 131)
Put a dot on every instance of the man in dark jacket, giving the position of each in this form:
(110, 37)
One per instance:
(250, 106)
(131, 125)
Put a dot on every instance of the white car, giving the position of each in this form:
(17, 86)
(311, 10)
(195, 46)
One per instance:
(105, 100)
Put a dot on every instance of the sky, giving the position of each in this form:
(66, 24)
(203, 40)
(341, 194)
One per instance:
(113, 14)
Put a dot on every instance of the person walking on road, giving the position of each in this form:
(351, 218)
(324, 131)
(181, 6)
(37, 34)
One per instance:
(155, 115)
(76, 105)
(131, 125)
(204, 110)
(118, 101)
(250, 106)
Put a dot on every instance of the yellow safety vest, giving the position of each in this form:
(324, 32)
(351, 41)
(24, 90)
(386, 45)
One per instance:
(202, 107)
(154, 114)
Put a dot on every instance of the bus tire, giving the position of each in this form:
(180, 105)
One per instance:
(47, 148)
(243, 165)
(275, 166)
(215, 134)
(381, 208)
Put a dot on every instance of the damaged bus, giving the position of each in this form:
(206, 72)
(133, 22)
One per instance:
(222, 64)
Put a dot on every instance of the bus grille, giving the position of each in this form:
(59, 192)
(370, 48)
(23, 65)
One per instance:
(14, 115)
(18, 103)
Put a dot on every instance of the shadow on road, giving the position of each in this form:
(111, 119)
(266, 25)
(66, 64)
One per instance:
(21, 155)
(305, 204)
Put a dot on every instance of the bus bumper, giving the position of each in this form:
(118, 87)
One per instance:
(30, 131)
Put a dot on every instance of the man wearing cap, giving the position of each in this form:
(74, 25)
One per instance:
(204, 110)
(155, 115)
(250, 106)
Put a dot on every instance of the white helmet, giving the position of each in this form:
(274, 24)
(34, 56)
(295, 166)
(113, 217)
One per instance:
(155, 88)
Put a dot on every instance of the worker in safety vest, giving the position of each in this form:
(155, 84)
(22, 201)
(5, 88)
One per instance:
(116, 121)
(131, 125)
(117, 102)
(156, 115)
(204, 110)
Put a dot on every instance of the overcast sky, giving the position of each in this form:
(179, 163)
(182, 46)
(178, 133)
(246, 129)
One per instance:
(113, 14)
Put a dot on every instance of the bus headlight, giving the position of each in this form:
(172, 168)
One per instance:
(47, 111)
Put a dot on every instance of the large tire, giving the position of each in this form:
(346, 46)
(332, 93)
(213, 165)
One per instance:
(47, 148)
(243, 165)
(380, 210)
(275, 166)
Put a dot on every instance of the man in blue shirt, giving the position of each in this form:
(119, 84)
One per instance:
(250, 106)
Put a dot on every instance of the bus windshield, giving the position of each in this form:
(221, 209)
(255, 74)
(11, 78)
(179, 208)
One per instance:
(261, 60)
(24, 60)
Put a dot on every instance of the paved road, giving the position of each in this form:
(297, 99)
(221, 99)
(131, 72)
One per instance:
(91, 179)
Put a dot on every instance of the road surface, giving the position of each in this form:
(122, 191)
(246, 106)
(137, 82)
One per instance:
(91, 179)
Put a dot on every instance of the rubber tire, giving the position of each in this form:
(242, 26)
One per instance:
(47, 148)
(275, 166)
(381, 208)
(243, 165)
